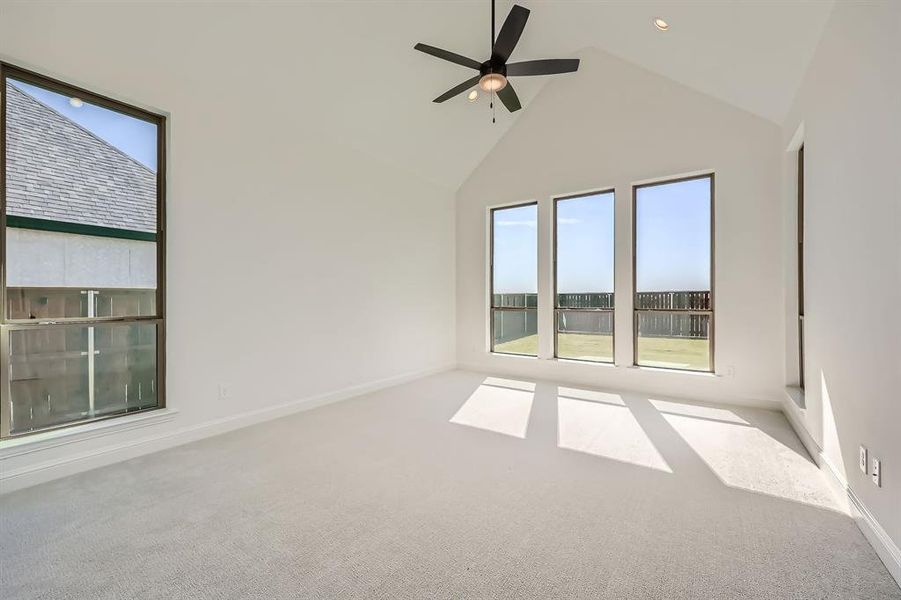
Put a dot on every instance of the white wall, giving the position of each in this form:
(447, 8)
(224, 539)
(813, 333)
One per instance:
(297, 267)
(613, 124)
(848, 110)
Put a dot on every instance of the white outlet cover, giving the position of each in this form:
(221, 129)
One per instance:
(877, 472)
(862, 463)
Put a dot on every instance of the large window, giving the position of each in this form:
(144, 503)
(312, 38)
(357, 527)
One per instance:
(514, 280)
(673, 253)
(584, 277)
(81, 255)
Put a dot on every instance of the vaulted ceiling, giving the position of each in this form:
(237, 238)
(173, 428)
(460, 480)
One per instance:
(347, 70)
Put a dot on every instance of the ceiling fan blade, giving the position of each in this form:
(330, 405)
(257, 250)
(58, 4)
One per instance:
(550, 66)
(509, 98)
(448, 56)
(509, 34)
(457, 89)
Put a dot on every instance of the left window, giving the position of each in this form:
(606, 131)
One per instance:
(514, 280)
(82, 271)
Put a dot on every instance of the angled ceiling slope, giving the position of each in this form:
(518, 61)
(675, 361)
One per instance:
(748, 53)
(348, 71)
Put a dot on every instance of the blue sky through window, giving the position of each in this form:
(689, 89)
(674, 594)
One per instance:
(516, 250)
(134, 137)
(672, 242)
(672, 249)
(585, 244)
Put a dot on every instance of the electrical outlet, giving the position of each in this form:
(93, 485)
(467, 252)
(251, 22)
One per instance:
(223, 391)
(862, 463)
(877, 472)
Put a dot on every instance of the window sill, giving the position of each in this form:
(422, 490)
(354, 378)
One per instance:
(79, 433)
(512, 355)
(576, 361)
(607, 365)
(676, 371)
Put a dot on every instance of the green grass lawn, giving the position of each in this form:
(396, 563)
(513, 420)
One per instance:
(523, 345)
(674, 353)
(585, 346)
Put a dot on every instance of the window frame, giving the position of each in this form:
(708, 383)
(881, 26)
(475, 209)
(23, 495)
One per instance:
(8, 70)
(800, 248)
(612, 311)
(491, 307)
(711, 335)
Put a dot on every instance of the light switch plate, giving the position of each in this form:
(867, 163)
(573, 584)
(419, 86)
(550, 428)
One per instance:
(877, 472)
(862, 462)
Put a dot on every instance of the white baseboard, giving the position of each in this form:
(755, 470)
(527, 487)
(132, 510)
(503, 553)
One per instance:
(511, 365)
(885, 547)
(16, 479)
(795, 419)
(887, 550)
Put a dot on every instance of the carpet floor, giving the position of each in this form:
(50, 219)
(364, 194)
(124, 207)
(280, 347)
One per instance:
(453, 486)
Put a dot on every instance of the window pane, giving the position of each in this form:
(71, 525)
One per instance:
(48, 371)
(125, 368)
(515, 278)
(42, 303)
(585, 245)
(52, 370)
(585, 335)
(673, 273)
(515, 331)
(81, 206)
(585, 266)
(587, 300)
(674, 340)
(672, 237)
(515, 300)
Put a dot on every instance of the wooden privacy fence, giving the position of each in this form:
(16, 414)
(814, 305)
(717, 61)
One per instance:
(682, 300)
(514, 324)
(660, 314)
(585, 321)
(516, 300)
(676, 325)
(670, 314)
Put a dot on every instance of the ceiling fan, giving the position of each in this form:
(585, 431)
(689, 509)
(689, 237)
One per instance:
(493, 73)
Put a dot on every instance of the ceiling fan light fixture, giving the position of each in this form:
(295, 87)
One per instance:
(660, 24)
(473, 95)
(493, 82)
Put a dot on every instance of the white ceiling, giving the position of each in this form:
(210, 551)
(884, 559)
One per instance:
(348, 70)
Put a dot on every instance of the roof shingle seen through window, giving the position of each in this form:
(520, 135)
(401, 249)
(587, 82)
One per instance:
(57, 170)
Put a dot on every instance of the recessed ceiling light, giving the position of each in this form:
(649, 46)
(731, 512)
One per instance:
(661, 24)
(473, 95)
(76, 102)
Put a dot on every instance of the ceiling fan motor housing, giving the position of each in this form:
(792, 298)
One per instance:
(492, 66)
